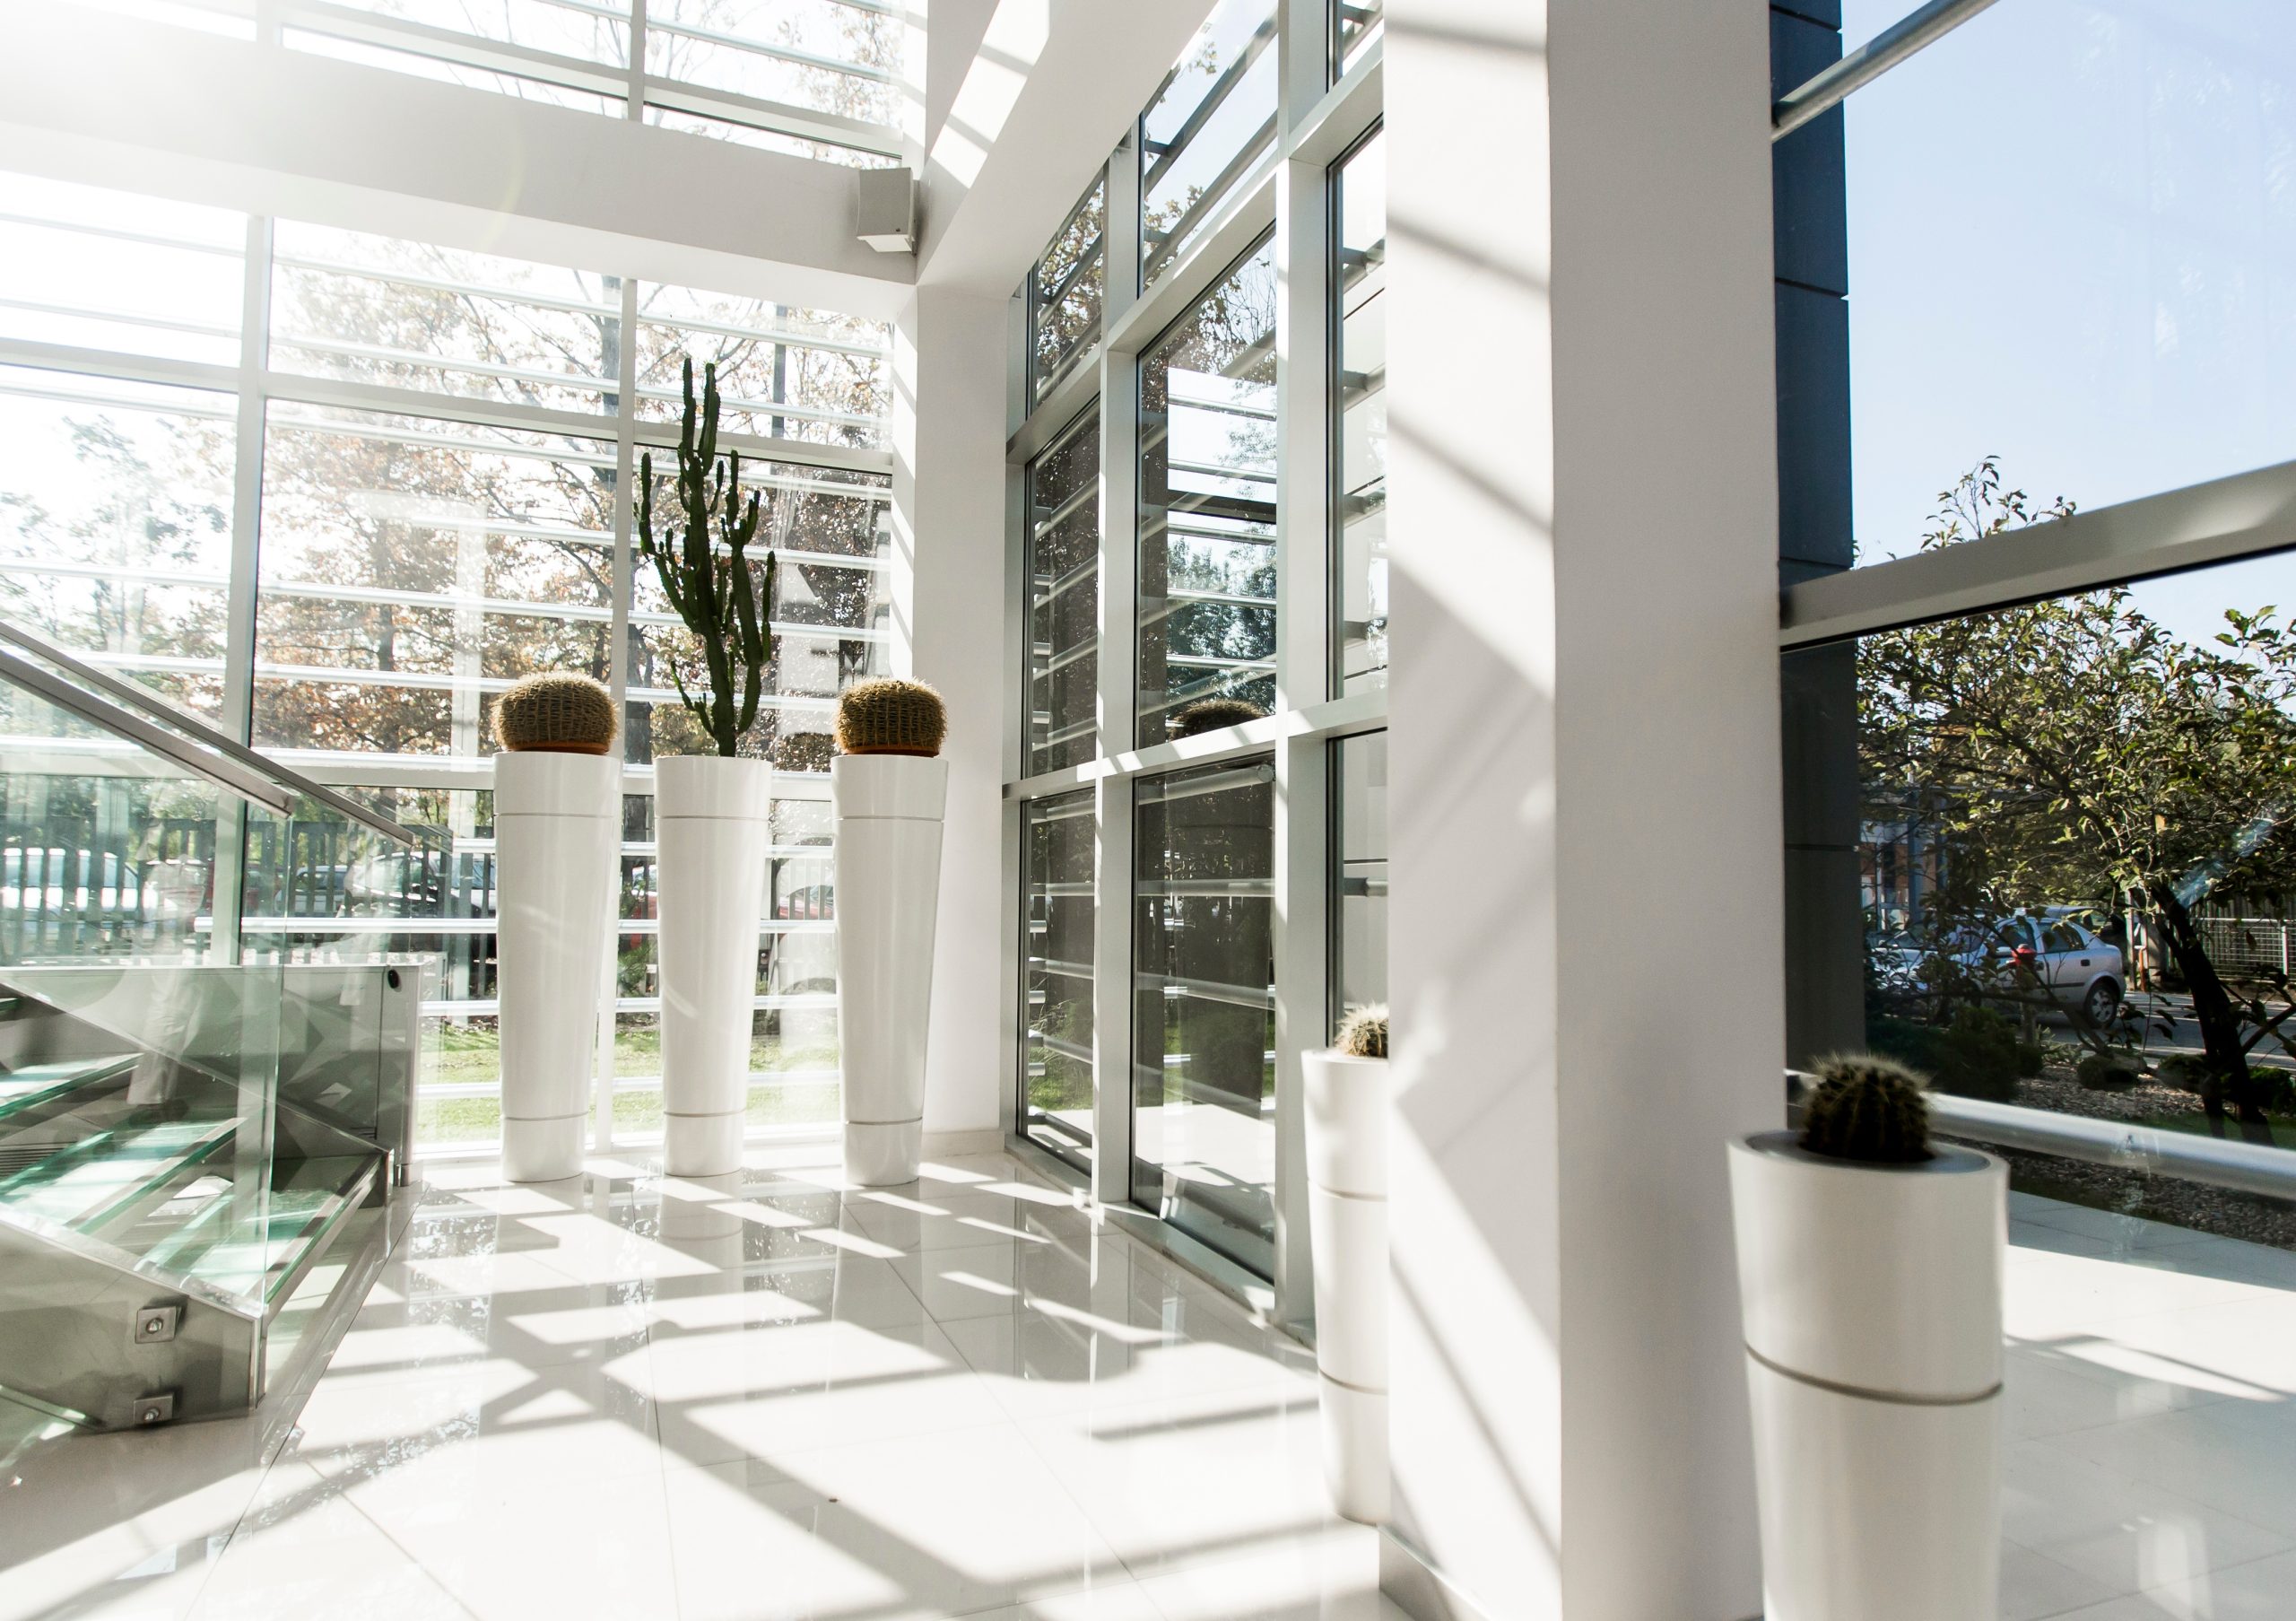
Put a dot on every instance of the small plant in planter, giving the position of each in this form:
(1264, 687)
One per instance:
(1210, 714)
(712, 811)
(890, 788)
(886, 715)
(1345, 1099)
(1364, 1032)
(557, 822)
(1867, 1108)
(1870, 1261)
(558, 712)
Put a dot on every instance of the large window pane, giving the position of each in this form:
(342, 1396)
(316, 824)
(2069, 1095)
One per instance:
(1065, 291)
(1359, 907)
(1212, 121)
(1203, 1007)
(829, 533)
(813, 54)
(106, 270)
(412, 568)
(1359, 465)
(1208, 445)
(2069, 245)
(1056, 978)
(783, 372)
(1064, 587)
(2056, 840)
(116, 524)
(380, 310)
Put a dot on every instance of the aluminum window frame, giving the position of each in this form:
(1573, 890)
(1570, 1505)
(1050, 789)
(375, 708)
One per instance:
(1288, 193)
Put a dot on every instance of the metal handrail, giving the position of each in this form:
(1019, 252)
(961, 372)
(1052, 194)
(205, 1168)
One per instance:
(1824, 91)
(2217, 1161)
(218, 757)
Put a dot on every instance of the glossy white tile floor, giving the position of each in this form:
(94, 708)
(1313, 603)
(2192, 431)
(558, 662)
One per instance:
(632, 1396)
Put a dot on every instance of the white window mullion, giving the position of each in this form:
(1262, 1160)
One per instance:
(625, 583)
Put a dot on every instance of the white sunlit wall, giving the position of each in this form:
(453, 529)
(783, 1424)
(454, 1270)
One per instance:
(338, 491)
(1199, 584)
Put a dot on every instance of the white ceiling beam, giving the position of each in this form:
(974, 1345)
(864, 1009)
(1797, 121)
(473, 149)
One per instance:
(1053, 87)
(150, 108)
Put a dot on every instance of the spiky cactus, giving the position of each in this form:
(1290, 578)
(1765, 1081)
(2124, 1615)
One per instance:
(557, 711)
(1364, 1032)
(724, 602)
(1210, 714)
(1869, 1109)
(887, 715)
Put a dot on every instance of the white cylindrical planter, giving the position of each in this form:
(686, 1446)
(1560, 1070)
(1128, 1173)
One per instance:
(557, 827)
(1871, 1297)
(1347, 1241)
(888, 811)
(711, 820)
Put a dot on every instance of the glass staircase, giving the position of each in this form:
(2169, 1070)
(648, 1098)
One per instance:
(159, 1199)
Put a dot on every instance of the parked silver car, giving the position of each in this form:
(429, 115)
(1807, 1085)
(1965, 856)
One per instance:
(2055, 945)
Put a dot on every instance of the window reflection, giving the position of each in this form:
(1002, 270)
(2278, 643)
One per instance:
(1207, 510)
(1203, 1015)
(1064, 292)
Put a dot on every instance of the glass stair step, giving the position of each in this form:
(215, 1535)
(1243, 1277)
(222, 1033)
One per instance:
(113, 1172)
(224, 1244)
(36, 1084)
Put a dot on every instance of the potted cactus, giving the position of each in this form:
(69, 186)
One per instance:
(1346, 1095)
(889, 785)
(1869, 1276)
(712, 812)
(557, 822)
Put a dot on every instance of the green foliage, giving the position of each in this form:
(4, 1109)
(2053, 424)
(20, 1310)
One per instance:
(1364, 1032)
(889, 716)
(1866, 1108)
(726, 605)
(1974, 1055)
(2074, 750)
(2030, 1057)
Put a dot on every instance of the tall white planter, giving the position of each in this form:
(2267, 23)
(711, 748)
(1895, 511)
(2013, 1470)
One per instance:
(1347, 1245)
(1872, 1304)
(556, 832)
(889, 812)
(710, 817)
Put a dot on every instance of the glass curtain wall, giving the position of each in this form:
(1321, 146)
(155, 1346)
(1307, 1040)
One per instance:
(437, 462)
(1213, 522)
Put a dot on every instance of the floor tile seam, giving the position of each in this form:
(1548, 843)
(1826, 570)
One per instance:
(775, 1461)
(2108, 1596)
(2286, 1535)
(2171, 1587)
(2184, 1500)
(2089, 1327)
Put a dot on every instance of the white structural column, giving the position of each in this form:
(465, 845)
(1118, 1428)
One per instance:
(1584, 735)
(948, 582)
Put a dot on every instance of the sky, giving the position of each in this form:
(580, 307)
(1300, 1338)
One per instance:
(2073, 245)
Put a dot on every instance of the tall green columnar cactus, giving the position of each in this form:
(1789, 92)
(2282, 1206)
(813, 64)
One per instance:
(726, 607)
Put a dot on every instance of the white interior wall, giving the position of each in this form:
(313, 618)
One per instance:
(949, 363)
(1585, 904)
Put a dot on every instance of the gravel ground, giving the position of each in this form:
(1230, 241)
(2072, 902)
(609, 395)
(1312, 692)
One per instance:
(2180, 1203)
